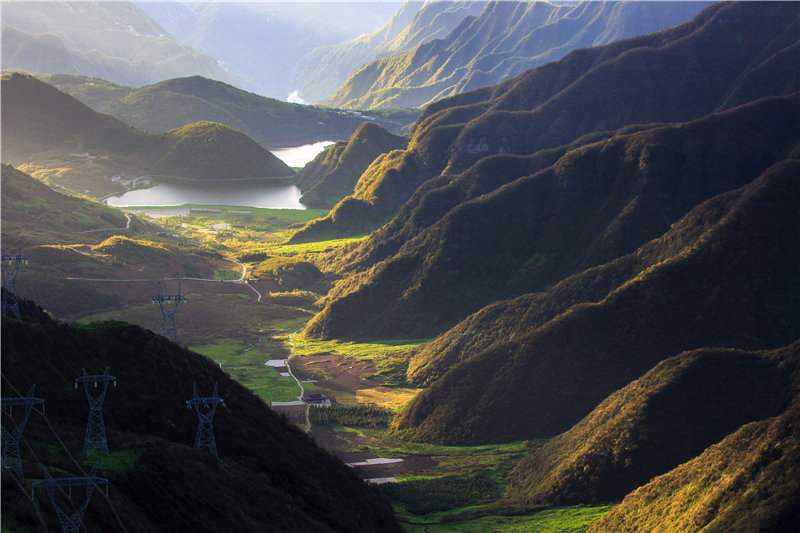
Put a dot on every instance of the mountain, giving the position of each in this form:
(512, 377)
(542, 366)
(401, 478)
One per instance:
(261, 42)
(595, 203)
(33, 213)
(39, 121)
(174, 103)
(502, 41)
(668, 416)
(479, 143)
(333, 174)
(724, 275)
(746, 482)
(269, 475)
(116, 41)
(209, 150)
(320, 72)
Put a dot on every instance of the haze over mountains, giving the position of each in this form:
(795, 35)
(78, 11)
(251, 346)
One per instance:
(503, 40)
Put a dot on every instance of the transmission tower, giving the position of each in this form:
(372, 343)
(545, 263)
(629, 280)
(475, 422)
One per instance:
(12, 460)
(10, 268)
(70, 523)
(96, 426)
(168, 326)
(205, 408)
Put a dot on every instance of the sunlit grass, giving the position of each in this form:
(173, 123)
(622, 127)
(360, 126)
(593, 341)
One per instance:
(574, 519)
(246, 365)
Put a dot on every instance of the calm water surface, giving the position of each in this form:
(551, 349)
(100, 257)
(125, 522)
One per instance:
(248, 193)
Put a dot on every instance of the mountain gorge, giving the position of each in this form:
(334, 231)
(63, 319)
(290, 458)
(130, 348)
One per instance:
(500, 42)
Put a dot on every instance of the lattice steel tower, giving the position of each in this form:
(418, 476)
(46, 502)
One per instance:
(96, 426)
(70, 523)
(205, 409)
(12, 460)
(10, 268)
(168, 326)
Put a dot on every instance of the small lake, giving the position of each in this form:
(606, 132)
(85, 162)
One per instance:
(249, 194)
(244, 193)
(298, 156)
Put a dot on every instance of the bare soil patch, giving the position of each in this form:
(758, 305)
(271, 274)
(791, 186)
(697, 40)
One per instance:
(338, 377)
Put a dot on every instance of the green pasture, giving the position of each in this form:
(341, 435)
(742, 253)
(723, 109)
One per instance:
(246, 365)
(575, 519)
(390, 356)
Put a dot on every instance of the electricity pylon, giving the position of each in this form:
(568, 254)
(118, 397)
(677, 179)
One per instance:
(205, 409)
(10, 267)
(96, 426)
(168, 326)
(70, 523)
(11, 438)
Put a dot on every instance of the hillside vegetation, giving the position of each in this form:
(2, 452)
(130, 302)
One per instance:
(333, 174)
(500, 42)
(269, 475)
(319, 73)
(174, 103)
(74, 145)
(733, 283)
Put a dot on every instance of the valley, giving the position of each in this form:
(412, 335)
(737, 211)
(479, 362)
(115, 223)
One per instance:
(557, 291)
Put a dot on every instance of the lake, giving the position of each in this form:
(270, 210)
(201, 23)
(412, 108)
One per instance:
(244, 193)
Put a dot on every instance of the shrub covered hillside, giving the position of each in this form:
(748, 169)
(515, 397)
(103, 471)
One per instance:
(333, 174)
(478, 144)
(269, 475)
(725, 275)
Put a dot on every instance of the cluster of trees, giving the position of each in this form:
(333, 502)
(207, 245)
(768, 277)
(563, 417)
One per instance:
(352, 415)
(422, 496)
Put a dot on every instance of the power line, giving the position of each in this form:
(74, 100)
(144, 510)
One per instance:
(10, 268)
(11, 438)
(95, 426)
(204, 440)
(169, 328)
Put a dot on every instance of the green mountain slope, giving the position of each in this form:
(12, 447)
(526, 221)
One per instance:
(43, 125)
(269, 476)
(116, 41)
(173, 103)
(320, 72)
(747, 482)
(333, 174)
(504, 40)
(31, 213)
(675, 75)
(732, 284)
(209, 150)
(670, 415)
(597, 202)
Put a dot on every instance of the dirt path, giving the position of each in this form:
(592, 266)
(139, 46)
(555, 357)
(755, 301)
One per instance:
(302, 390)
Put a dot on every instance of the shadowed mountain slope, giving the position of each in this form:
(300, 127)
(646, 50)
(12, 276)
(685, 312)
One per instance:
(747, 482)
(38, 118)
(269, 475)
(733, 284)
(670, 415)
(505, 39)
(718, 60)
(596, 203)
(34, 213)
(116, 41)
(333, 174)
(174, 103)
(323, 70)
